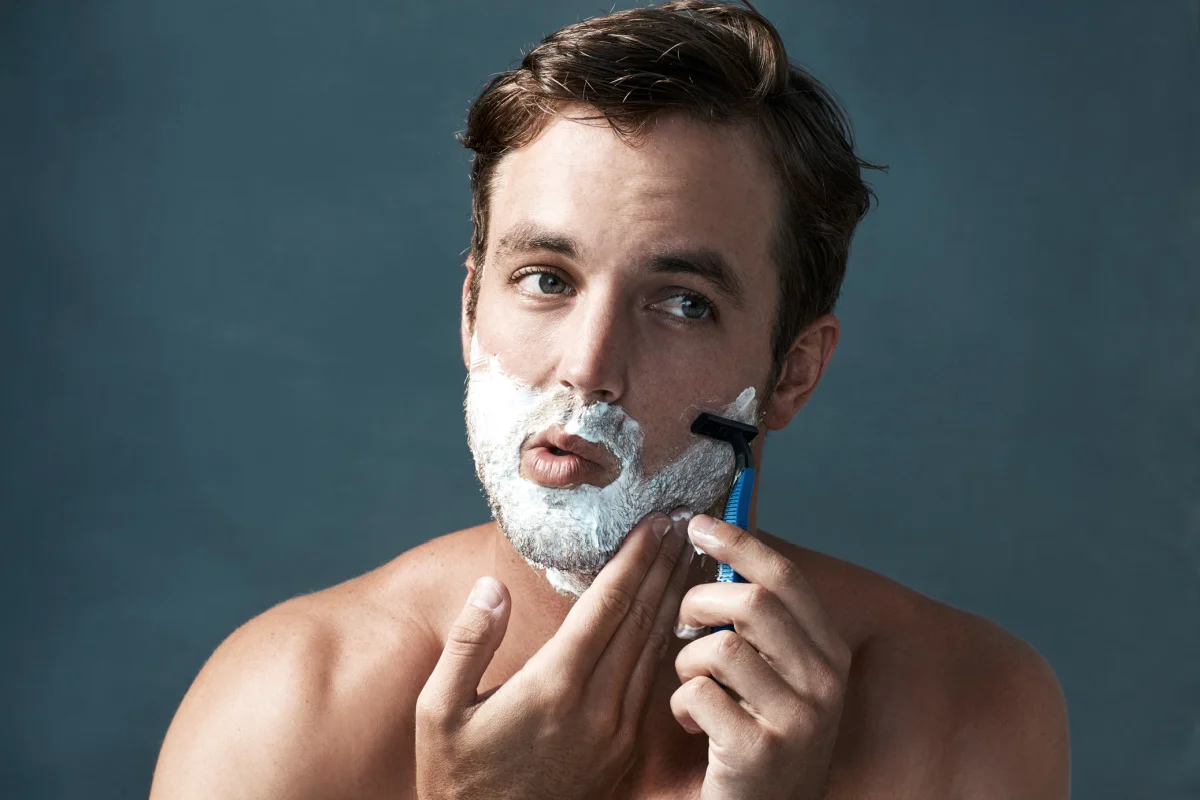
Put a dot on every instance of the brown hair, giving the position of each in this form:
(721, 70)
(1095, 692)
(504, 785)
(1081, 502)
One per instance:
(716, 62)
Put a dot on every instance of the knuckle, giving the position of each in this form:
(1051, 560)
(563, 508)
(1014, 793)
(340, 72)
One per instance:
(828, 687)
(468, 634)
(430, 708)
(735, 537)
(786, 572)
(641, 615)
(763, 742)
(646, 556)
(729, 645)
(757, 599)
(615, 600)
(604, 723)
(646, 562)
(803, 723)
(666, 556)
(699, 688)
(460, 648)
(657, 644)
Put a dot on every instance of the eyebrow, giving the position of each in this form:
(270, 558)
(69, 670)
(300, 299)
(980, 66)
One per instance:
(528, 236)
(703, 262)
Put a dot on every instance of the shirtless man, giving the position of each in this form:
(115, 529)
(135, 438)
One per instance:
(663, 213)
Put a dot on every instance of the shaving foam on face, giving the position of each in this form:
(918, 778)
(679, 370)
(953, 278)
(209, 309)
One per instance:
(572, 533)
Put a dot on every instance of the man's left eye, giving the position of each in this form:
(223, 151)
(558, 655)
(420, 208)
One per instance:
(542, 283)
(688, 306)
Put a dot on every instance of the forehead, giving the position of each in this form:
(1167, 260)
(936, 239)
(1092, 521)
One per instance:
(683, 184)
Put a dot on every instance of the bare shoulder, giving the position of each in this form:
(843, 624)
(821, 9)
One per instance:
(953, 702)
(315, 697)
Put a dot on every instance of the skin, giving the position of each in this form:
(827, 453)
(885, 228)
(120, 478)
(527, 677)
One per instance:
(845, 684)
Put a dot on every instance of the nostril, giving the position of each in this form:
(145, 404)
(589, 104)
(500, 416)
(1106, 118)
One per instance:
(589, 396)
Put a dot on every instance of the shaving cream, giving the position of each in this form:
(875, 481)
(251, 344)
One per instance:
(571, 533)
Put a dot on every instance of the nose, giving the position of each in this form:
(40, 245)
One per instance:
(596, 349)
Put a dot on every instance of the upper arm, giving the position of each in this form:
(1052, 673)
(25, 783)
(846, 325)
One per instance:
(248, 725)
(1014, 740)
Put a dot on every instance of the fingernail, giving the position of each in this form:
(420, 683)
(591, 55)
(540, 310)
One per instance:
(679, 519)
(660, 526)
(485, 595)
(701, 530)
(688, 631)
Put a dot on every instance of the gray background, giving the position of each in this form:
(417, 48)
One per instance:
(231, 239)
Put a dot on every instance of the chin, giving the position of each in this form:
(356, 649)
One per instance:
(558, 540)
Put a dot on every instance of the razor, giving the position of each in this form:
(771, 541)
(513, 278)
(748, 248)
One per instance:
(737, 507)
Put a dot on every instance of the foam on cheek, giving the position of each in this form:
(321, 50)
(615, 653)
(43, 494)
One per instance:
(507, 398)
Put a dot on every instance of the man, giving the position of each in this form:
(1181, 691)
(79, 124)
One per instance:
(663, 209)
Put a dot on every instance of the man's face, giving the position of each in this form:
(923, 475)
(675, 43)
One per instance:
(634, 276)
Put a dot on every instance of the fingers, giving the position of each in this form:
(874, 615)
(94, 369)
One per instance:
(759, 564)
(700, 705)
(595, 617)
(470, 646)
(643, 618)
(654, 646)
(728, 658)
(759, 618)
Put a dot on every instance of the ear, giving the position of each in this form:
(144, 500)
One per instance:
(465, 326)
(801, 371)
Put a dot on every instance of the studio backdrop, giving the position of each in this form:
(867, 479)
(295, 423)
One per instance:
(231, 246)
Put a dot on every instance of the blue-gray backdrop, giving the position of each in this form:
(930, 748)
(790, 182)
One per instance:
(231, 240)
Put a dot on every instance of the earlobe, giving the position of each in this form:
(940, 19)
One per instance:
(801, 371)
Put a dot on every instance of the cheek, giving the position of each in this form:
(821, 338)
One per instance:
(524, 341)
(667, 417)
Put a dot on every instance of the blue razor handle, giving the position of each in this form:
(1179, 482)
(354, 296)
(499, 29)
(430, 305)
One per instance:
(737, 507)
(737, 512)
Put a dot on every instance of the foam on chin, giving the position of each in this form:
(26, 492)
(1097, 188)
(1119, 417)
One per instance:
(572, 533)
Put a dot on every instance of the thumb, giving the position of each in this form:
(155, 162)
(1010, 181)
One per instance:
(470, 644)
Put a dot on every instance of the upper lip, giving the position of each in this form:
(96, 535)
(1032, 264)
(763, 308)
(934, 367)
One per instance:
(556, 437)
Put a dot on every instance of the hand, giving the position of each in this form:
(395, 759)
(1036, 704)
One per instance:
(784, 667)
(565, 725)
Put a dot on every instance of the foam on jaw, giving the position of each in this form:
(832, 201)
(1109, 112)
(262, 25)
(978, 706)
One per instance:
(571, 533)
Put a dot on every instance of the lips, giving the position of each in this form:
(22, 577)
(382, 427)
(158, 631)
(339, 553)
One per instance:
(556, 459)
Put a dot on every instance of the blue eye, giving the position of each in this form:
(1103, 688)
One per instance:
(546, 283)
(688, 306)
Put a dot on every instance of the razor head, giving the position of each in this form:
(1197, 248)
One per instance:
(727, 430)
(738, 434)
